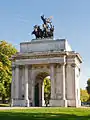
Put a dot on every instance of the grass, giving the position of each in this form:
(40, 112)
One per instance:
(46, 114)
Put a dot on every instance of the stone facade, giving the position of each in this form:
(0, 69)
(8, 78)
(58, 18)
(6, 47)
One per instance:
(38, 59)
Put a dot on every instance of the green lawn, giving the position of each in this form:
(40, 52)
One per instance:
(46, 114)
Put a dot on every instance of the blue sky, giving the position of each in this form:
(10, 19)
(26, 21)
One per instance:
(71, 19)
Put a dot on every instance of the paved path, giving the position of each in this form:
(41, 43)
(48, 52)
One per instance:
(9, 108)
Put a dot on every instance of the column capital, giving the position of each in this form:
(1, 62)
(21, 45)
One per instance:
(73, 65)
(63, 80)
(16, 81)
(63, 64)
(16, 66)
(26, 66)
(21, 66)
(52, 77)
(30, 66)
(26, 85)
(58, 65)
(52, 64)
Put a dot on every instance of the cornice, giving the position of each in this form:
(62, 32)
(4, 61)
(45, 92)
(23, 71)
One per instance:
(49, 54)
(38, 55)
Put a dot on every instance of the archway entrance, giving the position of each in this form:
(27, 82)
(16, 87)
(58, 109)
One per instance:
(39, 92)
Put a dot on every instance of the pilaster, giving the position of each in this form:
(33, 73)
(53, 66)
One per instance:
(12, 85)
(71, 80)
(60, 98)
(58, 82)
(43, 101)
(16, 82)
(52, 77)
(40, 93)
(32, 88)
(63, 80)
(26, 86)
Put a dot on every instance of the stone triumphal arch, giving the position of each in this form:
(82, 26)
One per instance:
(38, 59)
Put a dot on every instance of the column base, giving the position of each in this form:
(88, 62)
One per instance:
(20, 103)
(27, 103)
(79, 103)
(43, 103)
(73, 103)
(58, 103)
(11, 103)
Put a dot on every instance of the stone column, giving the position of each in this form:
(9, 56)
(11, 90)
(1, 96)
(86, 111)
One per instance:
(52, 78)
(43, 101)
(17, 82)
(26, 86)
(20, 81)
(12, 85)
(59, 86)
(71, 85)
(78, 89)
(40, 93)
(32, 87)
(23, 82)
(69, 81)
(75, 83)
(63, 80)
(63, 85)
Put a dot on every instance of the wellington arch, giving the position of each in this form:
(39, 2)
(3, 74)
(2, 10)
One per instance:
(38, 59)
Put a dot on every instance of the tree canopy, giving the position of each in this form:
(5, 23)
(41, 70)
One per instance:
(6, 51)
(47, 90)
(88, 86)
(84, 96)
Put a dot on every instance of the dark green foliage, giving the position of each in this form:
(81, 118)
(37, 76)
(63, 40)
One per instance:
(6, 51)
(88, 86)
(84, 96)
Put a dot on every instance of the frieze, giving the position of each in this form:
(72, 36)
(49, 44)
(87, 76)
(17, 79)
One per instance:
(40, 61)
(38, 67)
(69, 56)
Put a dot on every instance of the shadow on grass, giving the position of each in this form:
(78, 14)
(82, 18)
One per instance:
(40, 116)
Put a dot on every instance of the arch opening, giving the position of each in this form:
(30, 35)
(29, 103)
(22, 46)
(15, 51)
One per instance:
(42, 89)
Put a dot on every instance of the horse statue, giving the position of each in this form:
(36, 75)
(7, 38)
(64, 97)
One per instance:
(37, 31)
(47, 29)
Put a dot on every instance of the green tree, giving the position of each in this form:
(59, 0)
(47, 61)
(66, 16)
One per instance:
(6, 51)
(88, 87)
(84, 96)
(47, 90)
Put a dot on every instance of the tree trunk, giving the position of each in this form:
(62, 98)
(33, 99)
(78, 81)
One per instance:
(3, 99)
